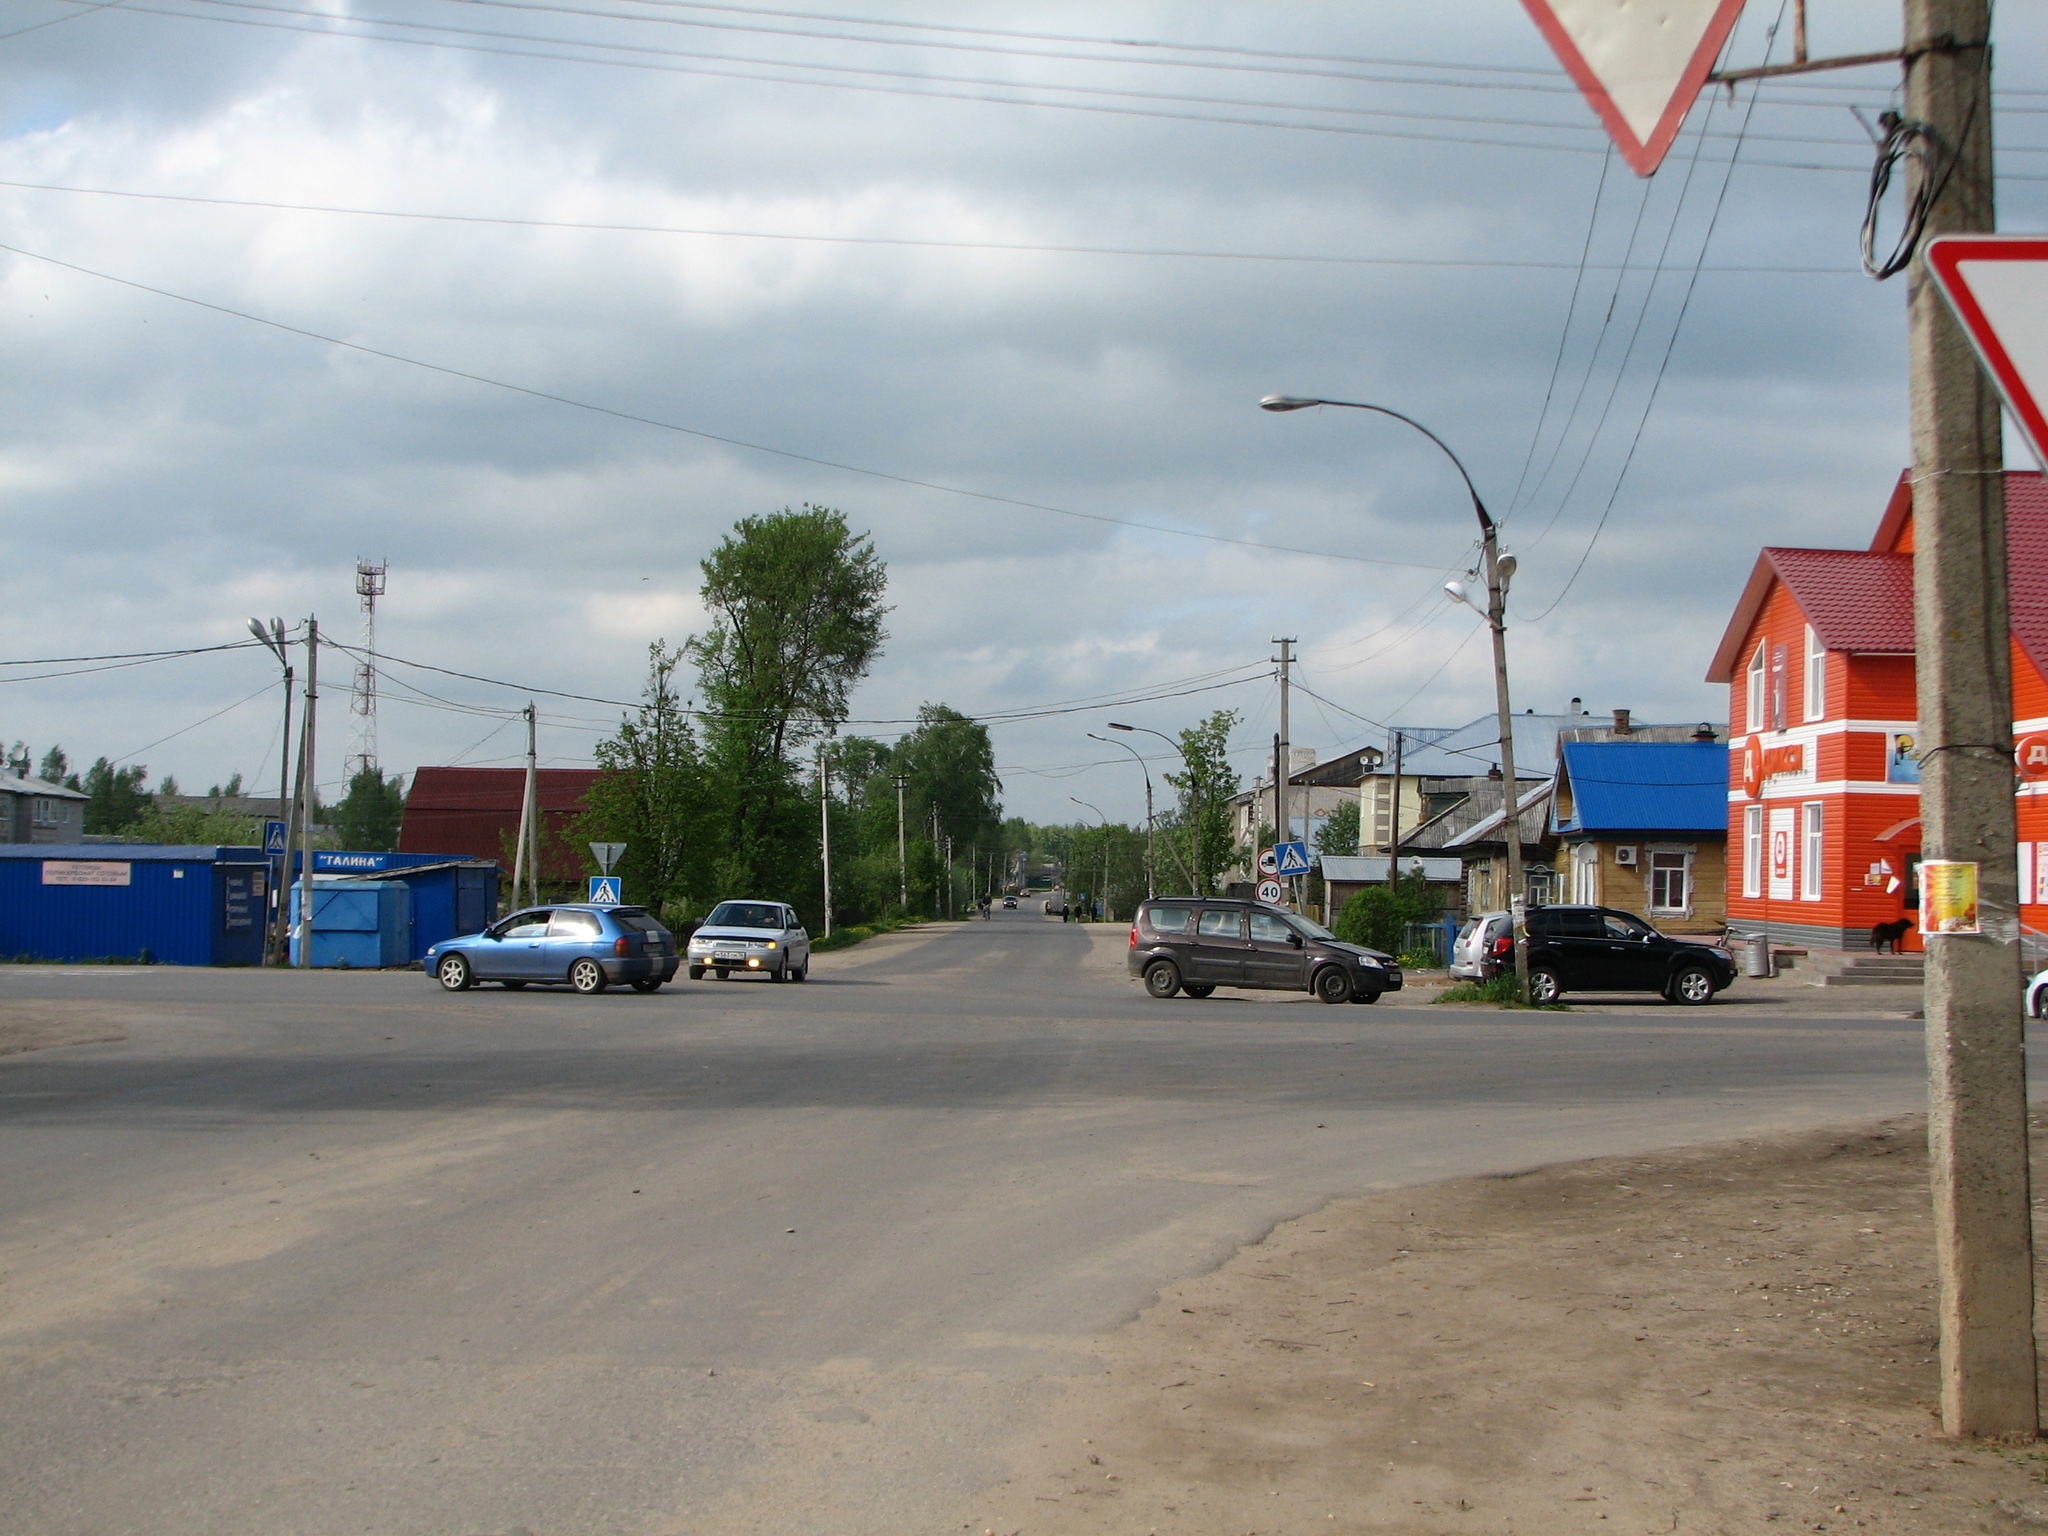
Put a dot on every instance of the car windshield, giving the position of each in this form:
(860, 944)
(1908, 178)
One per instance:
(1310, 928)
(744, 914)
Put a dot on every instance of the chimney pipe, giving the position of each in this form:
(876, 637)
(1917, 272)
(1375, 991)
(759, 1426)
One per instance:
(1704, 733)
(1621, 726)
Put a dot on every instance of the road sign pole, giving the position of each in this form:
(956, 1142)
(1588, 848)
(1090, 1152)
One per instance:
(1977, 1105)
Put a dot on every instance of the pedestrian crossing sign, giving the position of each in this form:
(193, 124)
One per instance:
(1293, 858)
(273, 839)
(604, 891)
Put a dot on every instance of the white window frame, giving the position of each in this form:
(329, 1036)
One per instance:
(1759, 687)
(1816, 676)
(1586, 874)
(1812, 849)
(1684, 853)
(1753, 850)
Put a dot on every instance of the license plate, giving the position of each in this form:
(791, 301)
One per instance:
(726, 957)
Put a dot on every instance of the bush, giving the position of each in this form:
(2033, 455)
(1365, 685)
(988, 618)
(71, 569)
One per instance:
(1420, 960)
(1498, 990)
(1377, 916)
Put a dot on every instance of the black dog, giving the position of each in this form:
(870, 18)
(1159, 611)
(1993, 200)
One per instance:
(1885, 936)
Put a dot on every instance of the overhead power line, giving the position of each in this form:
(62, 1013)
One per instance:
(990, 497)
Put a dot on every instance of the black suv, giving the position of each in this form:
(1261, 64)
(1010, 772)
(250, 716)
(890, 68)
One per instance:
(1195, 945)
(1597, 949)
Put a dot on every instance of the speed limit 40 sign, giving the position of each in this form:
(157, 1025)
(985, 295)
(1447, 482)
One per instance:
(1269, 892)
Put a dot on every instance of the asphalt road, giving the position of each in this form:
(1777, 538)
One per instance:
(343, 1253)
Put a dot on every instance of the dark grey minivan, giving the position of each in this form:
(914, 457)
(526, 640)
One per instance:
(1195, 945)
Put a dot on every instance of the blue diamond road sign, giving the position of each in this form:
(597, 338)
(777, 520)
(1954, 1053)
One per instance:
(1293, 858)
(273, 839)
(604, 891)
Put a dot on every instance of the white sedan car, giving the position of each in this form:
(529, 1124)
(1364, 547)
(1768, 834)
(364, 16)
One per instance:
(761, 937)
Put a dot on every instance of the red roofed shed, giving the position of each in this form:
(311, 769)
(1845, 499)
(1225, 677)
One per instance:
(475, 811)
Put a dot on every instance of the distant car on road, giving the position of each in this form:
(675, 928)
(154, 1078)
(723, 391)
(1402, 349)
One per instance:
(1195, 945)
(1600, 949)
(1009, 903)
(1055, 906)
(761, 937)
(573, 945)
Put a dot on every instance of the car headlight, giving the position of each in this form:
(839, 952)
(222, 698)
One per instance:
(767, 943)
(1367, 960)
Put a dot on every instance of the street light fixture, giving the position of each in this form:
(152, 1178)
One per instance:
(1151, 884)
(1498, 568)
(1196, 885)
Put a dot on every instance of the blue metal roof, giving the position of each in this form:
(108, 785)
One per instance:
(1645, 786)
(133, 853)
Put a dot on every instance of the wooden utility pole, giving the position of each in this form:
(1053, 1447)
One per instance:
(526, 861)
(1394, 824)
(902, 864)
(825, 831)
(1282, 830)
(1977, 1095)
(310, 778)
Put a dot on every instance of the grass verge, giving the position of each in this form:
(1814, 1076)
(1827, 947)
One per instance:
(1500, 991)
(846, 938)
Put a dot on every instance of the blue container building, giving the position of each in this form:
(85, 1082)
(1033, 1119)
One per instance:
(451, 894)
(133, 901)
(362, 925)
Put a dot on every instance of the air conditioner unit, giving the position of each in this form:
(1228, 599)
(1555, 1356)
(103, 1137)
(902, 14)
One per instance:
(1625, 855)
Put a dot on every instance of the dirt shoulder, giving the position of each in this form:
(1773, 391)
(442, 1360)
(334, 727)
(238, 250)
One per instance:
(1735, 1337)
(36, 1026)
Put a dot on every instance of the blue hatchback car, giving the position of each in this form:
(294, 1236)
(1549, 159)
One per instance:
(579, 946)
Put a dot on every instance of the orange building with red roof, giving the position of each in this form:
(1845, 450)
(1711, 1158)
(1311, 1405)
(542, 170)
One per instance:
(1824, 792)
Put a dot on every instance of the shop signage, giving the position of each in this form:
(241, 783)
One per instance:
(1760, 763)
(83, 872)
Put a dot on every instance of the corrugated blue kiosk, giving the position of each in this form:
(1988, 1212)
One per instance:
(133, 901)
(387, 909)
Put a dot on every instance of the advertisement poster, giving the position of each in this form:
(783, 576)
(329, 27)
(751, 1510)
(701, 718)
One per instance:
(1948, 900)
(1782, 838)
(83, 872)
(1901, 766)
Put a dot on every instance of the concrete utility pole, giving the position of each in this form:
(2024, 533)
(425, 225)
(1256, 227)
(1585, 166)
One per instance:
(1977, 1093)
(309, 780)
(902, 863)
(1394, 823)
(526, 861)
(825, 832)
(1282, 794)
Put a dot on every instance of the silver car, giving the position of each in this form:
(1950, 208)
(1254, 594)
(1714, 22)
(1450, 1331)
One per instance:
(1474, 953)
(759, 937)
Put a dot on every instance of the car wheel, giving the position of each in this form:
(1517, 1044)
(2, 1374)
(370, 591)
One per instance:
(803, 972)
(587, 977)
(1365, 995)
(1162, 979)
(1692, 985)
(721, 972)
(696, 973)
(1331, 985)
(2038, 1004)
(648, 984)
(1198, 989)
(1545, 985)
(455, 974)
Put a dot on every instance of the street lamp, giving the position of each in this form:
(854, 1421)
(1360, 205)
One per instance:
(1498, 569)
(1197, 885)
(1103, 892)
(272, 639)
(1151, 885)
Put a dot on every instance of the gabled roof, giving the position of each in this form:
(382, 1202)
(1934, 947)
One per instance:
(1642, 786)
(1531, 814)
(497, 789)
(1861, 600)
(13, 786)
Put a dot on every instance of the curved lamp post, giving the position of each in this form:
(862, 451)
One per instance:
(1151, 884)
(1196, 886)
(1499, 569)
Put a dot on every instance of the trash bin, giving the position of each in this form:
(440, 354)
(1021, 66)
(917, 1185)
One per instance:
(1757, 959)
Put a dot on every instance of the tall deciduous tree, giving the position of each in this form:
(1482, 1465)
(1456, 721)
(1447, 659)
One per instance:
(370, 814)
(652, 795)
(117, 798)
(1206, 783)
(796, 599)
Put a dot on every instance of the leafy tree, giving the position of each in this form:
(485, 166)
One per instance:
(369, 815)
(951, 767)
(169, 785)
(227, 791)
(1339, 835)
(1378, 915)
(796, 599)
(195, 826)
(651, 794)
(117, 798)
(53, 766)
(1201, 842)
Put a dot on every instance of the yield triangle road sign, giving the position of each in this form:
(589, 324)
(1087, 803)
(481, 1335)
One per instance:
(1639, 62)
(1998, 287)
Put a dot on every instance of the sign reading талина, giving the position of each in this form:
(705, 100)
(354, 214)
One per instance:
(83, 872)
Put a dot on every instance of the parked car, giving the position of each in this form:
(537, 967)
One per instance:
(758, 936)
(2037, 995)
(574, 945)
(1185, 944)
(1476, 951)
(1600, 949)
(1055, 906)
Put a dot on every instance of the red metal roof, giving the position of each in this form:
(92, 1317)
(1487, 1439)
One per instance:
(1861, 600)
(475, 811)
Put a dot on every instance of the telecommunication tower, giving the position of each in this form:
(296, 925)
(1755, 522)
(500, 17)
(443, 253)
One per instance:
(363, 701)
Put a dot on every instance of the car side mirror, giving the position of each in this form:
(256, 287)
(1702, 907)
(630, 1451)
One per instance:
(1295, 939)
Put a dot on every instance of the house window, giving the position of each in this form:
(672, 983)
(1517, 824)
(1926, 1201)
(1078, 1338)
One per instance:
(1810, 853)
(1816, 676)
(1753, 850)
(43, 811)
(1671, 880)
(1756, 690)
(1586, 874)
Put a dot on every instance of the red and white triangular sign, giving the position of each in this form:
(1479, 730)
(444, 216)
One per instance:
(1998, 287)
(1639, 62)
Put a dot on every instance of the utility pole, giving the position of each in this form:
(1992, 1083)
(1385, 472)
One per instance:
(825, 832)
(902, 864)
(1394, 824)
(1977, 1096)
(1498, 569)
(309, 791)
(526, 861)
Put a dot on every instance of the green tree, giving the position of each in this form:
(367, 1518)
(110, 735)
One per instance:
(369, 815)
(651, 795)
(189, 826)
(1339, 835)
(796, 600)
(950, 763)
(117, 798)
(1201, 840)
(1378, 915)
(53, 766)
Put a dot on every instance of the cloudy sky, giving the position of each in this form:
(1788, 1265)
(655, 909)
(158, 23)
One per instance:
(1050, 255)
